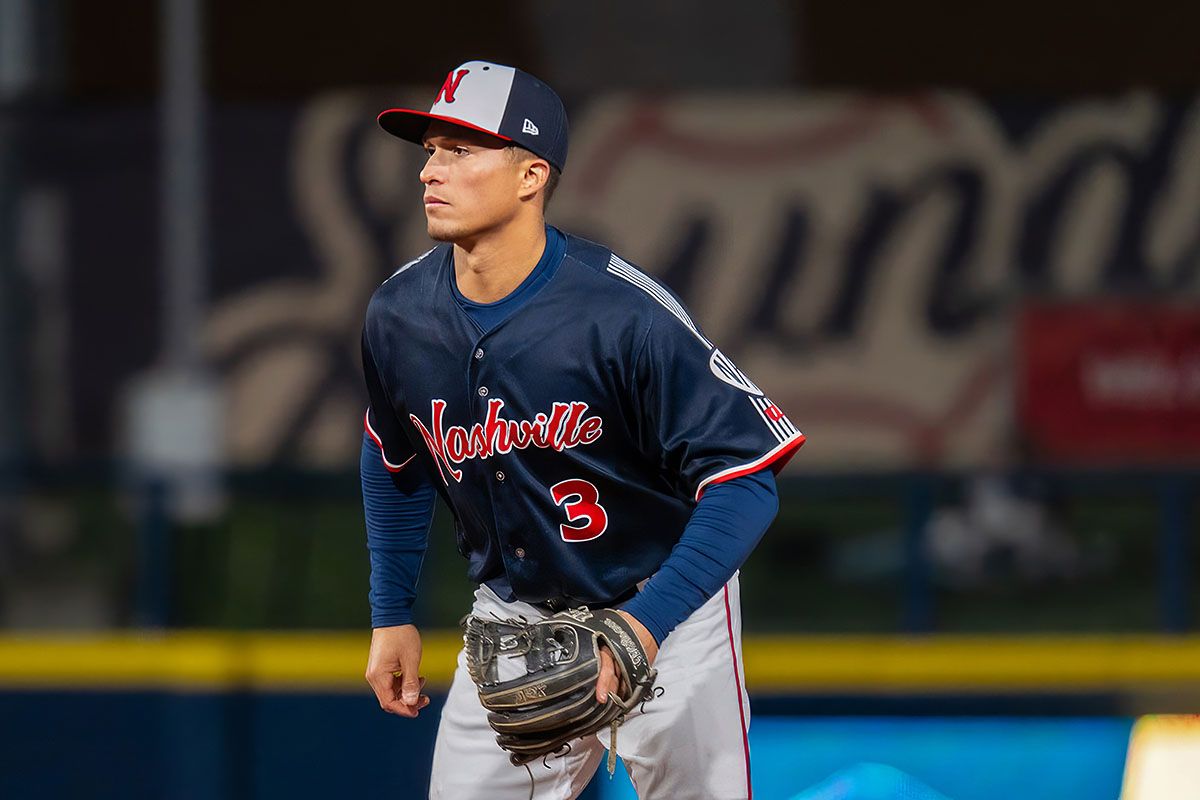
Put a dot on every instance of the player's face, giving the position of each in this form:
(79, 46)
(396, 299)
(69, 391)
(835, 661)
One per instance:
(471, 184)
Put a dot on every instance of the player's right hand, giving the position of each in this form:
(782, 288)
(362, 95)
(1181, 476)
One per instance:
(393, 670)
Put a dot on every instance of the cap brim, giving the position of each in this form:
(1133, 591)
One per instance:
(410, 124)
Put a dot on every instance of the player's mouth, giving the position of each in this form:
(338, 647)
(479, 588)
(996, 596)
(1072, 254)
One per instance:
(435, 201)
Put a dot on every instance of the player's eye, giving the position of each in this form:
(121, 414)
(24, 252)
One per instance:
(460, 151)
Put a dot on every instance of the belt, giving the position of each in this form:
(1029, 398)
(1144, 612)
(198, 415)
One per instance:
(556, 604)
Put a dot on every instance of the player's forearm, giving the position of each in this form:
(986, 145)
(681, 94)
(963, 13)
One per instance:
(724, 529)
(393, 587)
(397, 536)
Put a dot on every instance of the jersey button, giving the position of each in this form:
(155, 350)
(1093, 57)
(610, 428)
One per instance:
(520, 551)
(483, 391)
(500, 475)
(479, 354)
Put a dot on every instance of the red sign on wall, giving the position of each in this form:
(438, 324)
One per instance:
(1110, 382)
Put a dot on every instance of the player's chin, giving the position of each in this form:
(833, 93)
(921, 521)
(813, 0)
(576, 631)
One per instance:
(439, 231)
(443, 230)
(449, 230)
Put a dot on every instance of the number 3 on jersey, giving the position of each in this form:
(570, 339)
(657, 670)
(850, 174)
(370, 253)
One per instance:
(578, 498)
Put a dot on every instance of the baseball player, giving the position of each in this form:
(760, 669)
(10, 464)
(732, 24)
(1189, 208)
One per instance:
(594, 446)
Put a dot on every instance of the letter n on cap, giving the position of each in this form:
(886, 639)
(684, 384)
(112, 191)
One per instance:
(450, 86)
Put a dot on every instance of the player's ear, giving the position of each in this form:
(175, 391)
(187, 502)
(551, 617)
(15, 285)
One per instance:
(533, 178)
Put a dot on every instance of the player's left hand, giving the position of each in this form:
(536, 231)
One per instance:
(608, 681)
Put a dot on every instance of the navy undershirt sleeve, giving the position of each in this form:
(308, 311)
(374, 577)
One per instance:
(724, 528)
(398, 524)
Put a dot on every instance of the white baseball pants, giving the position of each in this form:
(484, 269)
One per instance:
(691, 742)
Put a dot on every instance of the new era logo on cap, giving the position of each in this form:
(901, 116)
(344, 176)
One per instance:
(495, 99)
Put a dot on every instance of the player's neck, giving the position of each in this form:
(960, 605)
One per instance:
(490, 267)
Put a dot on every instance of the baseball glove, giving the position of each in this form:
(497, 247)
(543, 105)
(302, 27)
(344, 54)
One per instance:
(554, 702)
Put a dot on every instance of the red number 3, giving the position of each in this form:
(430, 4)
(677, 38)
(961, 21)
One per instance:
(582, 506)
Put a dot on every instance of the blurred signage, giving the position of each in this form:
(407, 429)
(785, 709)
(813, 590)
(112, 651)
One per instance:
(1110, 381)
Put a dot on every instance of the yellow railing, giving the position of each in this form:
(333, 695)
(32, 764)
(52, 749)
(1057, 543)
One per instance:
(335, 662)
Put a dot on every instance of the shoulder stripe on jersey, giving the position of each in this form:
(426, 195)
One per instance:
(409, 264)
(622, 269)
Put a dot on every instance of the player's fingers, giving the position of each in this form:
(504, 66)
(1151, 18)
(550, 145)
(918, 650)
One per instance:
(400, 709)
(422, 700)
(607, 681)
(410, 680)
(395, 704)
(381, 683)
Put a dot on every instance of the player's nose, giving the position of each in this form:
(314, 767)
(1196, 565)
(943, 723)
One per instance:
(433, 171)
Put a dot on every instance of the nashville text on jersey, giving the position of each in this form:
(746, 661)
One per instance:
(566, 426)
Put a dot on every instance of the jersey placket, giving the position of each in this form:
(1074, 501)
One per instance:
(495, 470)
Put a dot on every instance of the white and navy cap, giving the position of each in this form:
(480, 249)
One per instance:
(495, 99)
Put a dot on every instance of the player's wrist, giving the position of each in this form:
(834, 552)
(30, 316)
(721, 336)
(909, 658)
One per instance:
(391, 618)
(646, 632)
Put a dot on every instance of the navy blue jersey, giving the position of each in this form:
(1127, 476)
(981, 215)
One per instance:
(573, 440)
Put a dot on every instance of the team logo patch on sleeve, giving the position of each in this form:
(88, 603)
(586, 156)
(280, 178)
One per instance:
(725, 369)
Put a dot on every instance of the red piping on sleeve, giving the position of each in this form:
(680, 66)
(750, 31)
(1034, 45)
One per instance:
(776, 459)
(382, 455)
